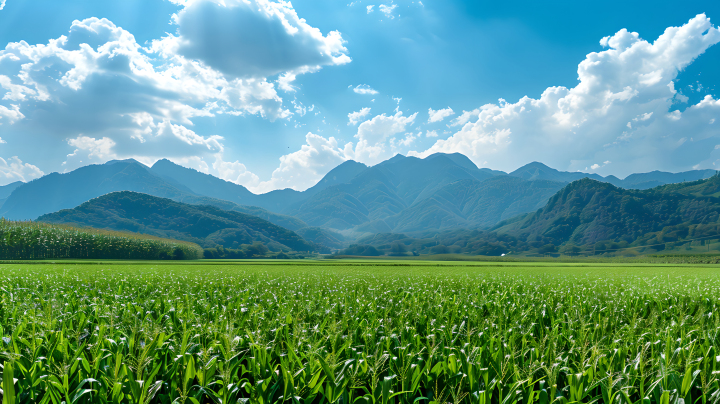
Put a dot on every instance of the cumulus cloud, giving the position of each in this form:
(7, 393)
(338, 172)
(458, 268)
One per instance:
(235, 172)
(364, 89)
(465, 117)
(94, 149)
(11, 114)
(369, 8)
(13, 169)
(431, 133)
(2, 4)
(372, 135)
(357, 116)
(406, 141)
(102, 95)
(439, 115)
(388, 9)
(573, 128)
(251, 38)
(105, 82)
(304, 168)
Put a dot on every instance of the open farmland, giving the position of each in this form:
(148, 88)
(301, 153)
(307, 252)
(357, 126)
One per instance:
(345, 332)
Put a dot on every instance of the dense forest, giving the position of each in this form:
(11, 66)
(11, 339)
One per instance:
(586, 217)
(205, 225)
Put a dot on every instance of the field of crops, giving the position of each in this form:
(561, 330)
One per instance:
(370, 332)
(36, 240)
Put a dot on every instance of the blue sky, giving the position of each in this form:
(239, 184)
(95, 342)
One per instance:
(273, 95)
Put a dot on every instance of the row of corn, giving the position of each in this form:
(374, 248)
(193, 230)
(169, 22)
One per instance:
(33, 240)
(229, 335)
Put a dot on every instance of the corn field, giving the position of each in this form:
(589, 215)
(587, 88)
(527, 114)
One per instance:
(34, 240)
(359, 333)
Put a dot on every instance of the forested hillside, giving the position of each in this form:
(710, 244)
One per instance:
(403, 194)
(588, 212)
(584, 217)
(205, 225)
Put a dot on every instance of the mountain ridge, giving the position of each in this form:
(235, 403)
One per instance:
(205, 225)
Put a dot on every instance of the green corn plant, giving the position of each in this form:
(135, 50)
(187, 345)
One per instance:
(351, 333)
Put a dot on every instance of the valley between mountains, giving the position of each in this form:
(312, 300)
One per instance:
(440, 204)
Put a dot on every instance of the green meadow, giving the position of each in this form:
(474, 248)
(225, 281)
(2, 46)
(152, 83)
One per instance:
(359, 331)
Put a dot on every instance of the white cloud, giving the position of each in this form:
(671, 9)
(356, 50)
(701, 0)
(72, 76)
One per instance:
(304, 168)
(431, 133)
(355, 117)
(373, 134)
(596, 166)
(11, 114)
(364, 89)
(97, 84)
(465, 117)
(570, 128)
(406, 141)
(388, 9)
(235, 172)
(97, 149)
(370, 8)
(439, 115)
(13, 169)
(643, 117)
(2, 4)
(251, 38)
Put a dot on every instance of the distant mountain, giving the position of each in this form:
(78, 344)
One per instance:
(385, 190)
(8, 189)
(588, 211)
(402, 194)
(657, 178)
(56, 191)
(276, 201)
(201, 183)
(474, 204)
(205, 225)
(539, 171)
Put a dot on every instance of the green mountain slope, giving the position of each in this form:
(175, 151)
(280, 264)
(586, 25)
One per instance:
(276, 201)
(205, 225)
(474, 204)
(56, 191)
(586, 212)
(385, 190)
(539, 171)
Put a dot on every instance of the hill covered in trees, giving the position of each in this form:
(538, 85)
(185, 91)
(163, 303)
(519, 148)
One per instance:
(588, 212)
(402, 194)
(205, 225)
(584, 217)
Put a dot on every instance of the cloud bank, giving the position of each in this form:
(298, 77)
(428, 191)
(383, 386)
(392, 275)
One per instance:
(620, 111)
(100, 95)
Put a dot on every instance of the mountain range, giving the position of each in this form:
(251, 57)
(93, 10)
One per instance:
(587, 212)
(586, 216)
(205, 225)
(400, 195)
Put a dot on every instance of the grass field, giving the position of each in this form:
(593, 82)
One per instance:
(359, 331)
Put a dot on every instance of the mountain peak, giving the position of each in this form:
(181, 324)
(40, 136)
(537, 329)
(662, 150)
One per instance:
(534, 165)
(127, 161)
